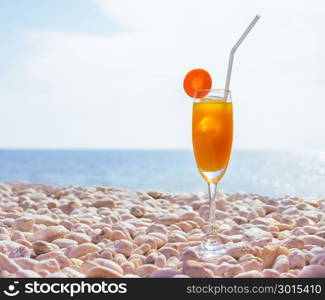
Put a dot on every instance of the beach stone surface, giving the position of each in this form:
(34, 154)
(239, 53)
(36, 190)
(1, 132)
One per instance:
(77, 232)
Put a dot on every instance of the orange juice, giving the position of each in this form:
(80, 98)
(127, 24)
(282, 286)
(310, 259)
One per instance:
(212, 131)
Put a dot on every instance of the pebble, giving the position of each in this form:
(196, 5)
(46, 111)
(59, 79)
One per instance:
(168, 219)
(165, 273)
(128, 267)
(294, 242)
(57, 275)
(125, 247)
(168, 252)
(270, 253)
(239, 249)
(218, 270)
(281, 264)
(79, 237)
(254, 234)
(196, 269)
(310, 229)
(44, 273)
(143, 249)
(48, 255)
(160, 261)
(321, 234)
(27, 274)
(109, 264)
(63, 261)
(270, 273)
(145, 239)
(226, 258)
(302, 221)
(313, 240)
(104, 203)
(102, 272)
(65, 243)
(146, 269)
(157, 228)
(131, 276)
(189, 253)
(41, 247)
(49, 234)
(18, 252)
(176, 238)
(156, 240)
(312, 271)
(17, 235)
(318, 259)
(262, 242)
(83, 249)
(173, 262)
(250, 262)
(120, 258)
(24, 224)
(26, 263)
(250, 274)
(189, 215)
(7, 264)
(137, 262)
(138, 211)
(234, 270)
(150, 259)
(45, 220)
(296, 259)
(51, 265)
(118, 235)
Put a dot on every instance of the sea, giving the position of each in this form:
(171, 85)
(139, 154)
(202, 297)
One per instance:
(271, 173)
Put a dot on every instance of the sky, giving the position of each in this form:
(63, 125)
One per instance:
(108, 73)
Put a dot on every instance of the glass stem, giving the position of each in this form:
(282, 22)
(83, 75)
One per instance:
(211, 235)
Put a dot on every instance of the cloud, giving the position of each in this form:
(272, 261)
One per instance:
(124, 90)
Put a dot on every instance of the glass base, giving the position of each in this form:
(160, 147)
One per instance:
(213, 176)
(211, 249)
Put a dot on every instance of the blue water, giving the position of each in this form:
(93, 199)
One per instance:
(264, 172)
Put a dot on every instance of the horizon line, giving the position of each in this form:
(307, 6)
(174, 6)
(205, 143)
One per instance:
(145, 149)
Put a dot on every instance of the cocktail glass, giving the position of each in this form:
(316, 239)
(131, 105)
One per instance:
(212, 133)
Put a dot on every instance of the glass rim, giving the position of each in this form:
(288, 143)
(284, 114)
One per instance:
(212, 95)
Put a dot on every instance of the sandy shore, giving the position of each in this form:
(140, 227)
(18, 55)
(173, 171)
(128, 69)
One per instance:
(47, 231)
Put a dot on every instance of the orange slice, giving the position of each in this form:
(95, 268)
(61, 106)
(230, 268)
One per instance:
(197, 79)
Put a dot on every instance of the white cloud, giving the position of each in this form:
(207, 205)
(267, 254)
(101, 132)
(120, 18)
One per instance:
(125, 90)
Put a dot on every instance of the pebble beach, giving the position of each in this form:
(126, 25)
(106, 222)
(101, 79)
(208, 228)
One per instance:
(48, 231)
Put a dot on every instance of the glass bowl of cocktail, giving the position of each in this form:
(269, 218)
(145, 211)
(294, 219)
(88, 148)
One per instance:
(212, 135)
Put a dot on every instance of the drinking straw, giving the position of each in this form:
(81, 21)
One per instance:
(232, 53)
